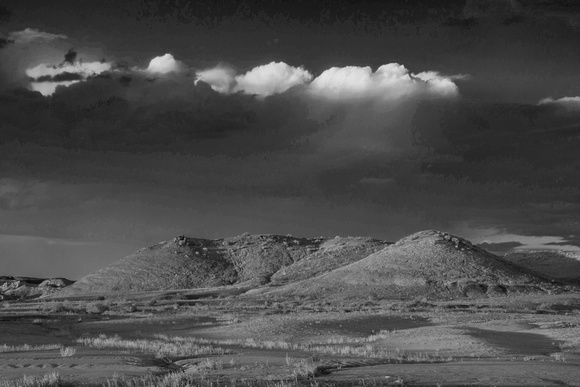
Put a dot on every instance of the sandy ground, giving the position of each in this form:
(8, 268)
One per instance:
(474, 347)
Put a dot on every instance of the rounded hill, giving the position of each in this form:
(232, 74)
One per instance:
(253, 260)
(429, 263)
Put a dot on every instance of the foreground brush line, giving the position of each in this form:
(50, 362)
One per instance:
(365, 351)
(252, 343)
(52, 379)
(184, 380)
(161, 348)
(28, 348)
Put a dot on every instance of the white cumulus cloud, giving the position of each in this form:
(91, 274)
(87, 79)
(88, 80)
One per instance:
(438, 83)
(569, 103)
(220, 78)
(389, 81)
(272, 78)
(164, 64)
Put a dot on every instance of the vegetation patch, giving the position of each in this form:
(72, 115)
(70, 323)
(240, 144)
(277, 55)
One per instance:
(159, 347)
(366, 351)
(28, 348)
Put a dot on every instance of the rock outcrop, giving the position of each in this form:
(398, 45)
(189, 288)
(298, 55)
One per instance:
(22, 288)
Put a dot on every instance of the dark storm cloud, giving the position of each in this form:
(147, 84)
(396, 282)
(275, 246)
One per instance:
(312, 12)
(4, 16)
(509, 12)
(15, 194)
(432, 157)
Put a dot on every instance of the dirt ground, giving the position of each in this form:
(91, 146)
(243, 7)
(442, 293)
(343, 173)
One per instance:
(488, 345)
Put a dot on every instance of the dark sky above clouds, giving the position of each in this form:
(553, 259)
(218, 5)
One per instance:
(126, 123)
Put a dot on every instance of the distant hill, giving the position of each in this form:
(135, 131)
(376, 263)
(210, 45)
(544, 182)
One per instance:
(559, 265)
(252, 260)
(428, 263)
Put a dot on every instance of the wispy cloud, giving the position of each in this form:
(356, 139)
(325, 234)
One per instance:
(31, 35)
(221, 78)
(46, 78)
(568, 103)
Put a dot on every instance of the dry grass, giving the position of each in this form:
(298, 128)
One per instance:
(206, 365)
(301, 368)
(67, 351)
(187, 380)
(365, 351)
(180, 380)
(28, 348)
(49, 380)
(161, 347)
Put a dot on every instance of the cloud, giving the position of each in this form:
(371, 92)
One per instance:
(438, 83)
(31, 48)
(211, 151)
(220, 78)
(500, 248)
(49, 88)
(272, 78)
(389, 81)
(571, 104)
(19, 194)
(61, 77)
(85, 69)
(164, 64)
(31, 35)
(53, 257)
(46, 78)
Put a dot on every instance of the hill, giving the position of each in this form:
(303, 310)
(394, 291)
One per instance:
(428, 263)
(558, 265)
(252, 260)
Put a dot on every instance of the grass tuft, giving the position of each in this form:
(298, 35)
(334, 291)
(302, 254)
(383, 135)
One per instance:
(28, 348)
(161, 347)
(366, 351)
(67, 351)
(49, 380)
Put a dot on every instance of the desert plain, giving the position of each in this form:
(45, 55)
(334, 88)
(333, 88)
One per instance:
(266, 310)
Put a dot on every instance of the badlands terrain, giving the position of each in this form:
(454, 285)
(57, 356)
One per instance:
(269, 310)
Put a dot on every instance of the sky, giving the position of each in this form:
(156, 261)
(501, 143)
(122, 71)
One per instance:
(123, 124)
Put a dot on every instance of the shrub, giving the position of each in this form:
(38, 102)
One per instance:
(49, 380)
(161, 347)
(96, 308)
(67, 351)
